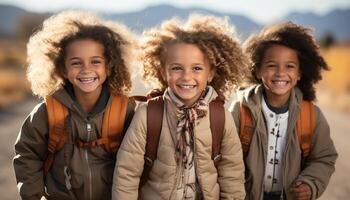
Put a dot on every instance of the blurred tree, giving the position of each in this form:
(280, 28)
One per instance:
(28, 24)
(327, 39)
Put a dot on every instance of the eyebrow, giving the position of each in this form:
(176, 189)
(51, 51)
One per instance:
(78, 58)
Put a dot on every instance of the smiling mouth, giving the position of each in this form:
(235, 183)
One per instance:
(186, 86)
(87, 80)
(280, 83)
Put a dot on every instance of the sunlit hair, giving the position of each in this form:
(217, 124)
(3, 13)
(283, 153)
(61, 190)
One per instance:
(295, 37)
(215, 37)
(46, 50)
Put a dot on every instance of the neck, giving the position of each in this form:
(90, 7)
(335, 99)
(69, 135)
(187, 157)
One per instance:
(87, 101)
(277, 101)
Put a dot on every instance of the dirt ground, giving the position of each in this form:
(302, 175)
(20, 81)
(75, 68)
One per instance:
(12, 117)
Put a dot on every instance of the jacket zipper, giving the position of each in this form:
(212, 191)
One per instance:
(88, 128)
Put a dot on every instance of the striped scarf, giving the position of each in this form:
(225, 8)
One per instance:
(185, 127)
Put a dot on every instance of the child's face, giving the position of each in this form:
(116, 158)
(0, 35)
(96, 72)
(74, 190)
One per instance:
(85, 67)
(187, 72)
(279, 72)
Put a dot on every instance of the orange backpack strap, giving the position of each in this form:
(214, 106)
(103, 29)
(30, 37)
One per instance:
(155, 111)
(217, 124)
(112, 126)
(58, 135)
(305, 127)
(246, 129)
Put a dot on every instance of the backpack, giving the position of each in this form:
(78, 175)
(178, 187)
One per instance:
(112, 127)
(155, 111)
(305, 128)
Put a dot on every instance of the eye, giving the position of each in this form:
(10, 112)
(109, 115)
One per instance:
(175, 67)
(75, 63)
(291, 66)
(197, 68)
(96, 62)
(270, 65)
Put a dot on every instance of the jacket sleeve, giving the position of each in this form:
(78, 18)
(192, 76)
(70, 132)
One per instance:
(234, 109)
(231, 166)
(129, 114)
(130, 158)
(30, 153)
(319, 166)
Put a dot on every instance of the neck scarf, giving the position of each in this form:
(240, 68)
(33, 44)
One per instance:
(184, 140)
(185, 127)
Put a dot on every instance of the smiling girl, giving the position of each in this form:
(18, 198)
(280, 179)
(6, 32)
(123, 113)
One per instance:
(192, 64)
(285, 65)
(82, 62)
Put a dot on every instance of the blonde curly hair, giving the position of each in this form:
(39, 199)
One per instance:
(46, 50)
(214, 36)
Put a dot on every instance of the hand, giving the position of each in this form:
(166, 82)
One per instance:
(302, 191)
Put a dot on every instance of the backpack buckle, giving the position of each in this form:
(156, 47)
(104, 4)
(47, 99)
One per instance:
(148, 161)
(217, 158)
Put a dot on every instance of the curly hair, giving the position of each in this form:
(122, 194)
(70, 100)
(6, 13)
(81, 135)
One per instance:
(46, 50)
(213, 36)
(293, 36)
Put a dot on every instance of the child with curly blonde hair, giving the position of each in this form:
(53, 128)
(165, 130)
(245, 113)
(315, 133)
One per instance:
(281, 161)
(82, 62)
(192, 64)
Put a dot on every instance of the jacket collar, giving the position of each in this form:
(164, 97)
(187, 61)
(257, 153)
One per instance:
(65, 95)
(251, 97)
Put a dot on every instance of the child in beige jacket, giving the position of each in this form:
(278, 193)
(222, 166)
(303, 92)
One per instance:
(192, 63)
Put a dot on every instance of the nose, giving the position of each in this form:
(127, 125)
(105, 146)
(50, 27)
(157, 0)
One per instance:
(86, 66)
(280, 69)
(187, 74)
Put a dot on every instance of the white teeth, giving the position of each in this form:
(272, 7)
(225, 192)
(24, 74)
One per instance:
(187, 86)
(282, 83)
(87, 80)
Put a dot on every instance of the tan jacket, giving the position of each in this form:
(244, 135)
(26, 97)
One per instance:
(318, 167)
(227, 183)
(91, 170)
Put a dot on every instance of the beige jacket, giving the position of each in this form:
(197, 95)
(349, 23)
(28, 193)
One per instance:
(318, 167)
(226, 183)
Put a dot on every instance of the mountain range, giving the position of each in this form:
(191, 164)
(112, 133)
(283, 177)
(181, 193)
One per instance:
(334, 22)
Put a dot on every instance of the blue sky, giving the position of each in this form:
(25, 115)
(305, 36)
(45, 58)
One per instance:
(261, 11)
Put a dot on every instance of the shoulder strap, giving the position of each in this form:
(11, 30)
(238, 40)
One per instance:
(57, 114)
(155, 111)
(112, 126)
(217, 124)
(305, 126)
(113, 122)
(246, 129)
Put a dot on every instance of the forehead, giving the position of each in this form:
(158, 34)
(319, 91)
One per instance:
(84, 47)
(280, 51)
(184, 51)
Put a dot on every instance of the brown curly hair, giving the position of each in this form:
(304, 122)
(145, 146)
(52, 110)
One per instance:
(215, 37)
(293, 36)
(47, 50)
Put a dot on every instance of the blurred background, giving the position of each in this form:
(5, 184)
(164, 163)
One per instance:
(329, 19)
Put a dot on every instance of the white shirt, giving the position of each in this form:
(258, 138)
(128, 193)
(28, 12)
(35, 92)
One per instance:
(276, 129)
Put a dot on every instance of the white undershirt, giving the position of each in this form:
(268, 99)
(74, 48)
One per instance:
(276, 129)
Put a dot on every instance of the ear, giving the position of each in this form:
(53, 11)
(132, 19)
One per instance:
(108, 70)
(63, 72)
(257, 73)
(212, 73)
(163, 72)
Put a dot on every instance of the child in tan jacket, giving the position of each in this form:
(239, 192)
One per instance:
(192, 63)
(285, 65)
